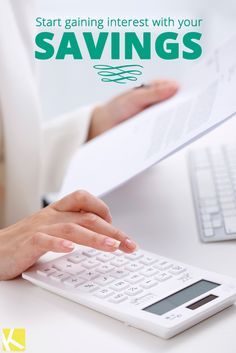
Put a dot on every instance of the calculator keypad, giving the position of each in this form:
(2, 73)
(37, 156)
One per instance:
(115, 277)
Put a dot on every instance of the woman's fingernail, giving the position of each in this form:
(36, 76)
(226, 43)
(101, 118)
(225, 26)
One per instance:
(130, 244)
(112, 243)
(68, 244)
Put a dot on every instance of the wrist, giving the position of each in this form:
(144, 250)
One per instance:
(99, 122)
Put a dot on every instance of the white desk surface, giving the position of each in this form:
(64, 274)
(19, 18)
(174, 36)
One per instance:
(156, 209)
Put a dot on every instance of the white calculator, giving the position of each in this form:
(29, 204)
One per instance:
(143, 290)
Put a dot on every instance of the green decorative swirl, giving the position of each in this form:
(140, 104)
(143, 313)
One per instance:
(118, 74)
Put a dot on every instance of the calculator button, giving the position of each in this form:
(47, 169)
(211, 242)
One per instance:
(59, 276)
(76, 258)
(149, 283)
(119, 285)
(105, 257)
(134, 278)
(104, 280)
(163, 265)
(104, 268)
(149, 271)
(118, 298)
(148, 260)
(88, 287)
(89, 275)
(133, 290)
(119, 273)
(143, 299)
(73, 281)
(46, 271)
(119, 262)
(104, 293)
(134, 256)
(133, 266)
(90, 252)
(176, 269)
(90, 264)
(163, 276)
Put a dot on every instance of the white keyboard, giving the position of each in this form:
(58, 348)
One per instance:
(213, 178)
(142, 289)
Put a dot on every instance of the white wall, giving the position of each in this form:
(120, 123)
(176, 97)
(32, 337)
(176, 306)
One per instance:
(68, 83)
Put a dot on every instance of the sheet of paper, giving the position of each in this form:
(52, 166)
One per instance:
(207, 99)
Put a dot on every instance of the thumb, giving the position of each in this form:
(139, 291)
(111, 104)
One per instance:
(134, 101)
(155, 92)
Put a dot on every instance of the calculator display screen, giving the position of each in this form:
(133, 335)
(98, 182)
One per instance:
(179, 298)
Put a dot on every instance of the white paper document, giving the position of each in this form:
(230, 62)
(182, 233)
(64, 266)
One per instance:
(207, 98)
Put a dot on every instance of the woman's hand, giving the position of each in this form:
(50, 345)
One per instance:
(78, 218)
(128, 104)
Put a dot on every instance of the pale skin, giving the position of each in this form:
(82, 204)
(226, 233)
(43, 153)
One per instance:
(79, 218)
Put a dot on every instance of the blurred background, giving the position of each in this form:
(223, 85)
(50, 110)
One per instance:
(67, 84)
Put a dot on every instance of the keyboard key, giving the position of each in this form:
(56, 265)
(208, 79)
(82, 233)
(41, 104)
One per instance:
(118, 298)
(217, 223)
(90, 252)
(225, 192)
(229, 213)
(148, 260)
(207, 225)
(90, 264)
(149, 283)
(134, 278)
(119, 273)
(230, 225)
(161, 277)
(133, 266)
(149, 271)
(104, 257)
(104, 268)
(46, 271)
(222, 179)
(205, 183)
(210, 202)
(119, 285)
(177, 269)
(88, 287)
(223, 182)
(119, 262)
(118, 253)
(133, 291)
(89, 275)
(76, 258)
(69, 267)
(228, 206)
(226, 199)
(206, 217)
(134, 256)
(211, 209)
(103, 293)
(59, 276)
(73, 281)
(209, 232)
(163, 265)
(104, 280)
